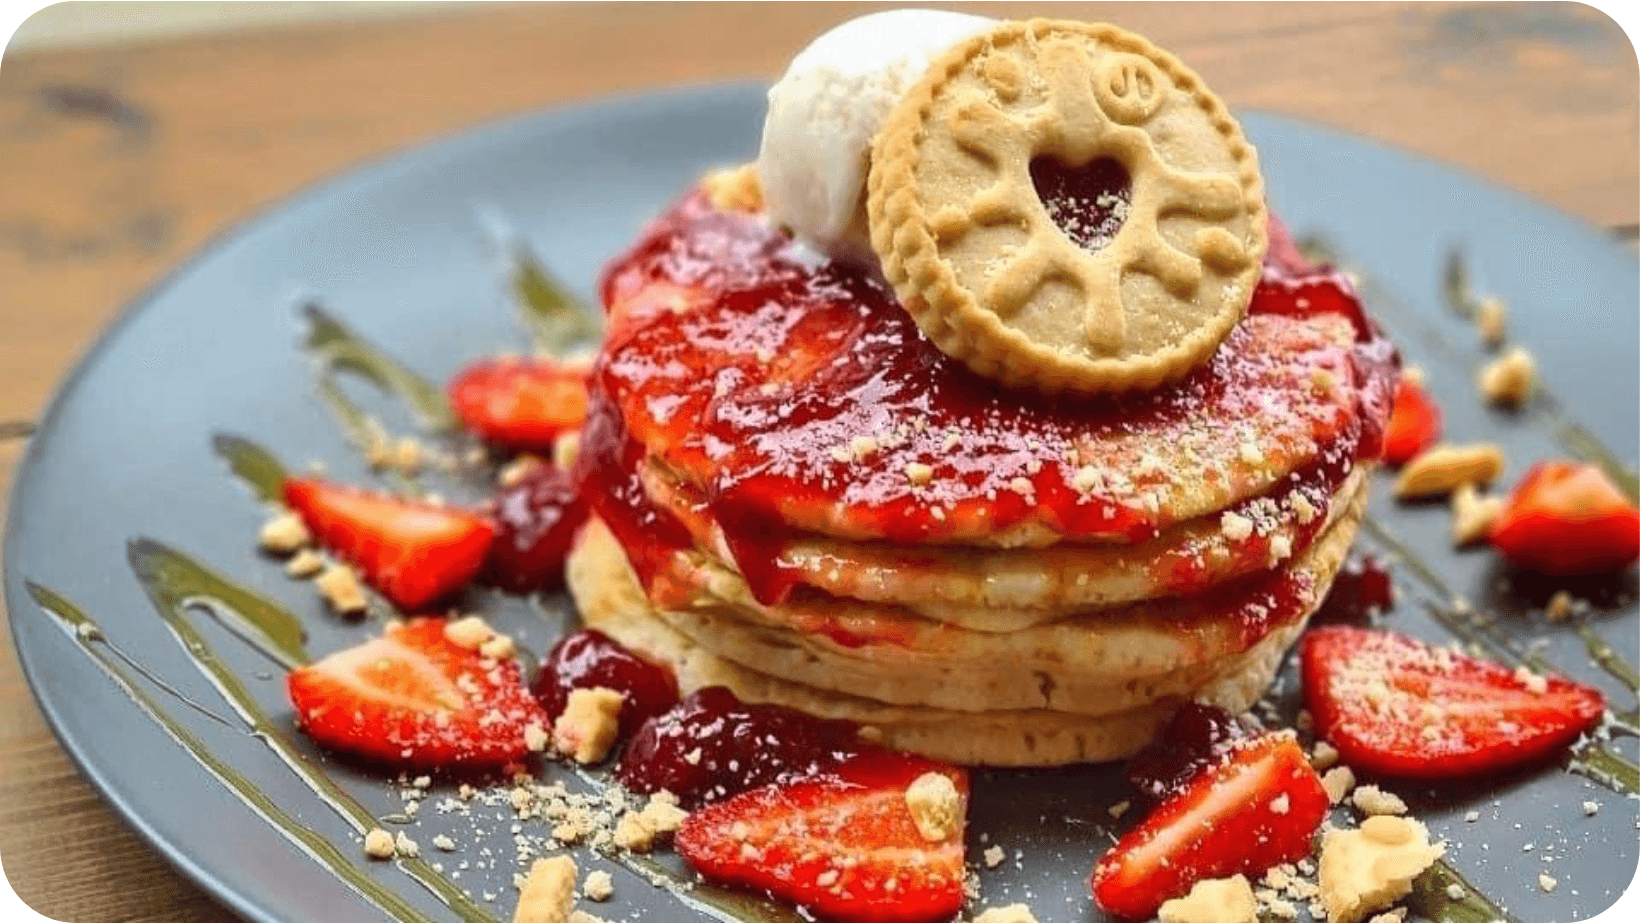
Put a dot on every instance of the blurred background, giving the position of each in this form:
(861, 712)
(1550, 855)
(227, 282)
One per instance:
(132, 133)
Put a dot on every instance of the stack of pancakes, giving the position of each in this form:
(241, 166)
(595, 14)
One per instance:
(801, 499)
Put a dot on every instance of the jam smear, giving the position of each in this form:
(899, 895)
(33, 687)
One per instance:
(1362, 589)
(712, 746)
(1193, 739)
(590, 659)
(796, 395)
(535, 521)
(1088, 203)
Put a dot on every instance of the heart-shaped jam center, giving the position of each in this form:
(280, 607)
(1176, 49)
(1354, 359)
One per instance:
(1088, 203)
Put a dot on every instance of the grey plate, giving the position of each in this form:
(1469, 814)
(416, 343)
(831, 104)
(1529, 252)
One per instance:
(397, 250)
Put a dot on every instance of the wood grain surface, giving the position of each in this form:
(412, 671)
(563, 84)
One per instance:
(119, 161)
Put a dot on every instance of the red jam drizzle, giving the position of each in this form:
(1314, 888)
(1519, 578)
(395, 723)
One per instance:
(783, 364)
(1192, 740)
(535, 523)
(588, 659)
(712, 746)
(1362, 589)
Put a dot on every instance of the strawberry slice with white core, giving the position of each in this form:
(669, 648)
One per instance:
(844, 844)
(1255, 807)
(414, 699)
(1392, 704)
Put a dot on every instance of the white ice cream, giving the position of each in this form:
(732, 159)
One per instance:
(825, 111)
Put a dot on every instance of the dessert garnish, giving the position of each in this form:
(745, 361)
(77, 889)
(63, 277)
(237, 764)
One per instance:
(588, 659)
(413, 698)
(1257, 803)
(845, 843)
(1027, 291)
(521, 404)
(1391, 704)
(1414, 423)
(535, 519)
(413, 552)
(1567, 518)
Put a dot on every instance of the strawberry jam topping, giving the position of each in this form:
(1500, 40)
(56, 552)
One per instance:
(712, 746)
(1193, 739)
(535, 521)
(798, 395)
(588, 659)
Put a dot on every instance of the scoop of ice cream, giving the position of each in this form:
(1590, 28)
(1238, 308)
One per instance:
(825, 111)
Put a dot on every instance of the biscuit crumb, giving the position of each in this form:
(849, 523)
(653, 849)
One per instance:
(1371, 800)
(1366, 868)
(994, 855)
(936, 806)
(919, 473)
(341, 589)
(1563, 606)
(640, 831)
(1534, 683)
(536, 737)
(1472, 515)
(408, 456)
(734, 189)
(517, 470)
(548, 895)
(285, 534)
(1019, 913)
(1223, 900)
(468, 632)
(1323, 756)
(1441, 469)
(598, 886)
(443, 842)
(1547, 882)
(304, 564)
(1338, 782)
(1590, 808)
(1491, 318)
(405, 847)
(589, 725)
(1235, 526)
(379, 844)
(1508, 380)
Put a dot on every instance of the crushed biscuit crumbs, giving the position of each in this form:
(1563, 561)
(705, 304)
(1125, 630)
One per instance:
(1323, 756)
(1367, 868)
(340, 587)
(1018, 913)
(1235, 526)
(468, 632)
(548, 894)
(598, 885)
(1370, 800)
(1508, 380)
(1338, 782)
(1472, 515)
(1210, 900)
(993, 856)
(285, 534)
(590, 723)
(919, 473)
(935, 805)
(1534, 683)
(536, 737)
(640, 831)
(304, 564)
(379, 844)
(1491, 319)
(565, 447)
(405, 846)
(1547, 882)
(1441, 469)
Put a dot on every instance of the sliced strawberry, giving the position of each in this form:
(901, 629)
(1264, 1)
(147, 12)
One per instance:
(842, 844)
(1256, 807)
(415, 553)
(1414, 423)
(1567, 518)
(521, 404)
(1393, 705)
(413, 699)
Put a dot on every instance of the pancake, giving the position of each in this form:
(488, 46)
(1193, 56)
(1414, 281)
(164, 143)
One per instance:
(814, 640)
(611, 601)
(805, 397)
(1002, 590)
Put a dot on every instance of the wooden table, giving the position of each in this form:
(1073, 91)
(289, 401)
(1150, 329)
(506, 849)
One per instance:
(117, 162)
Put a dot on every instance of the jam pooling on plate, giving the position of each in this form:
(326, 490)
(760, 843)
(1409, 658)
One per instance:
(712, 746)
(798, 394)
(588, 659)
